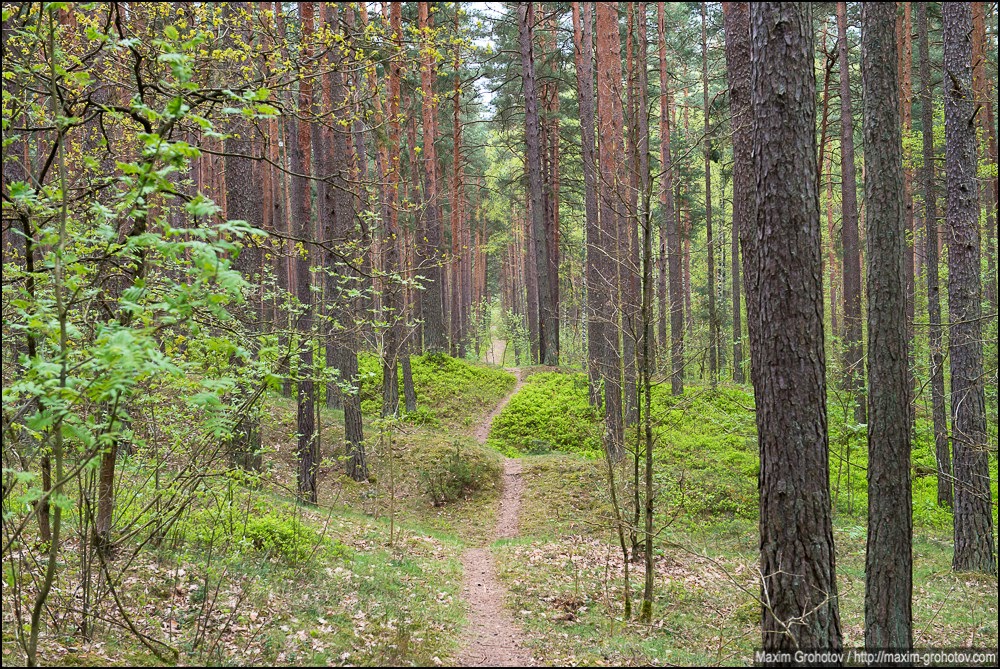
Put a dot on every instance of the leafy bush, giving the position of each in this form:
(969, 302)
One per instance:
(550, 412)
(278, 536)
(450, 475)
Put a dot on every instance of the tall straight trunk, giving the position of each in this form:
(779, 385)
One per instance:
(550, 159)
(974, 547)
(583, 19)
(548, 345)
(713, 317)
(904, 52)
(308, 445)
(854, 364)
(628, 238)
(457, 316)
(392, 307)
(737, 24)
(432, 302)
(935, 335)
(797, 563)
(670, 243)
(984, 102)
(611, 129)
(888, 557)
(245, 202)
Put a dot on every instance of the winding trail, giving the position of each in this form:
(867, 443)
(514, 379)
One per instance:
(493, 638)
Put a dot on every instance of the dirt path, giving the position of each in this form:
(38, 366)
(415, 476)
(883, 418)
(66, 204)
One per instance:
(493, 640)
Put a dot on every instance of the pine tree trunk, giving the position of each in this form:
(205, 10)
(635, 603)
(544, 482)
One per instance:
(611, 129)
(854, 365)
(888, 558)
(713, 317)
(432, 302)
(548, 345)
(584, 54)
(974, 547)
(786, 302)
(935, 335)
(737, 24)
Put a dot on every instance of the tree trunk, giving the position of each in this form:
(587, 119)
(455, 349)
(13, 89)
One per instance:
(584, 55)
(548, 345)
(670, 243)
(935, 335)
(432, 302)
(713, 317)
(984, 103)
(737, 25)
(308, 446)
(786, 301)
(974, 547)
(888, 558)
(611, 128)
(854, 365)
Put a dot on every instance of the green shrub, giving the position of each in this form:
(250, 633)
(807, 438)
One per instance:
(284, 537)
(551, 412)
(456, 472)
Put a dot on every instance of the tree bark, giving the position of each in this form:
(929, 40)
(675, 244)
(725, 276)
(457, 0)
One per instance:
(548, 348)
(799, 587)
(854, 364)
(935, 335)
(974, 547)
(584, 56)
(713, 317)
(308, 445)
(888, 558)
(432, 301)
(737, 26)
(611, 128)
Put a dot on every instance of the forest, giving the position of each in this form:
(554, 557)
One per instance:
(499, 334)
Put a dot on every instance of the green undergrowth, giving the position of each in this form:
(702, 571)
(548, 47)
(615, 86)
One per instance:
(247, 577)
(549, 413)
(457, 393)
(565, 572)
(706, 448)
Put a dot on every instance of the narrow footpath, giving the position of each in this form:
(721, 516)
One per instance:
(493, 639)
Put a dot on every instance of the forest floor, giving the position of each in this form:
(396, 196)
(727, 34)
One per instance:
(521, 567)
(493, 639)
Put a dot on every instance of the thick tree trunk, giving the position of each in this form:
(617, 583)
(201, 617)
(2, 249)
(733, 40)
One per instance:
(888, 558)
(796, 530)
(974, 547)
(854, 364)
(935, 335)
